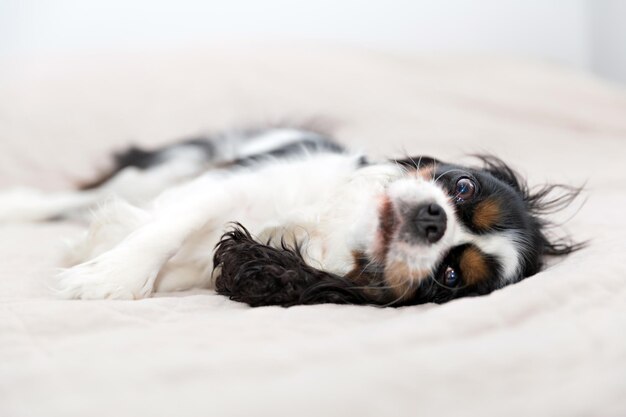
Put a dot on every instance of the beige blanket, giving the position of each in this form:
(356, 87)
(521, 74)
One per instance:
(553, 345)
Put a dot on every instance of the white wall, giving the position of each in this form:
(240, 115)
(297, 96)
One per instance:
(608, 38)
(580, 33)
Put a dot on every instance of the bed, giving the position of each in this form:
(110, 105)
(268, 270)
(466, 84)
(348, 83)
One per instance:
(552, 345)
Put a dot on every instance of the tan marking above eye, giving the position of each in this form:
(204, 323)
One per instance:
(486, 214)
(473, 266)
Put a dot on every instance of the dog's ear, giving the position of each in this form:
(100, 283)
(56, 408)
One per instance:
(416, 162)
(259, 275)
(541, 201)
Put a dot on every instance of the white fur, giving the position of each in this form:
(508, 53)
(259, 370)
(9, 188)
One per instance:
(269, 140)
(28, 204)
(505, 247)
(131, 184)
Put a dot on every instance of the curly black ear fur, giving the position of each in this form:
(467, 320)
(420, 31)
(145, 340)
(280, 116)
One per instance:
(541, 201)
(260, 275)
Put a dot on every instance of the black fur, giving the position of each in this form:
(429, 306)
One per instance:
(541, 201)
(260, 275)
(144, 159)
(416, 162)
(312, 144)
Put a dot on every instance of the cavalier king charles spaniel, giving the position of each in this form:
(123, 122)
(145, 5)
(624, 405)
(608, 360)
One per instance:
(286, 216)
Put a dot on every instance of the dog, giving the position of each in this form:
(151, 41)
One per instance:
(287, 216)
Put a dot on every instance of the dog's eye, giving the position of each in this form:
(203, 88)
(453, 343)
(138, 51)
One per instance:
(450, 277)
(465, 189)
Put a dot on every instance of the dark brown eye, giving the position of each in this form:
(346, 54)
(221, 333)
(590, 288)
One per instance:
(450, 277)
(465, 189)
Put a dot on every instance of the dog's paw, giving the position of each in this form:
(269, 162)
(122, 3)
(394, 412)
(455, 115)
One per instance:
(22, 205)
(106, 277)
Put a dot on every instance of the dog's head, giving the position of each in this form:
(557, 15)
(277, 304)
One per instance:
(442, 231)
(446, 230)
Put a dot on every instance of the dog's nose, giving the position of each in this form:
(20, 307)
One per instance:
(430, 222)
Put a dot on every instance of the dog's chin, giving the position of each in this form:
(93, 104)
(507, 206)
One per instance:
(402, 270)
(405, 268)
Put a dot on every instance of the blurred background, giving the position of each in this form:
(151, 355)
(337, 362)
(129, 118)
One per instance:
(586, 35)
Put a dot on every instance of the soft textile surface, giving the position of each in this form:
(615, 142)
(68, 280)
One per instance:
(553, 345)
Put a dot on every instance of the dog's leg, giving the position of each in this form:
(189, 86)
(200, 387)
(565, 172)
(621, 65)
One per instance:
(29, 204)
(133, 184)
(129, 269)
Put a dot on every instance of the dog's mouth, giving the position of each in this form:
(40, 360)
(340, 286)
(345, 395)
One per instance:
(399, 257)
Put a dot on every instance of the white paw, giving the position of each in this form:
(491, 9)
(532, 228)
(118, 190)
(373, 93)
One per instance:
(107, 276)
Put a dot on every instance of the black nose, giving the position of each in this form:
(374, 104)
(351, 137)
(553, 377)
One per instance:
(430, 222)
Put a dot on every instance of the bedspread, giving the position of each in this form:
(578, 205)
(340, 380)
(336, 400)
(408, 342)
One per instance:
(552, 345)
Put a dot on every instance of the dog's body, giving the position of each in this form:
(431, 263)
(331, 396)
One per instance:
(314, 223)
